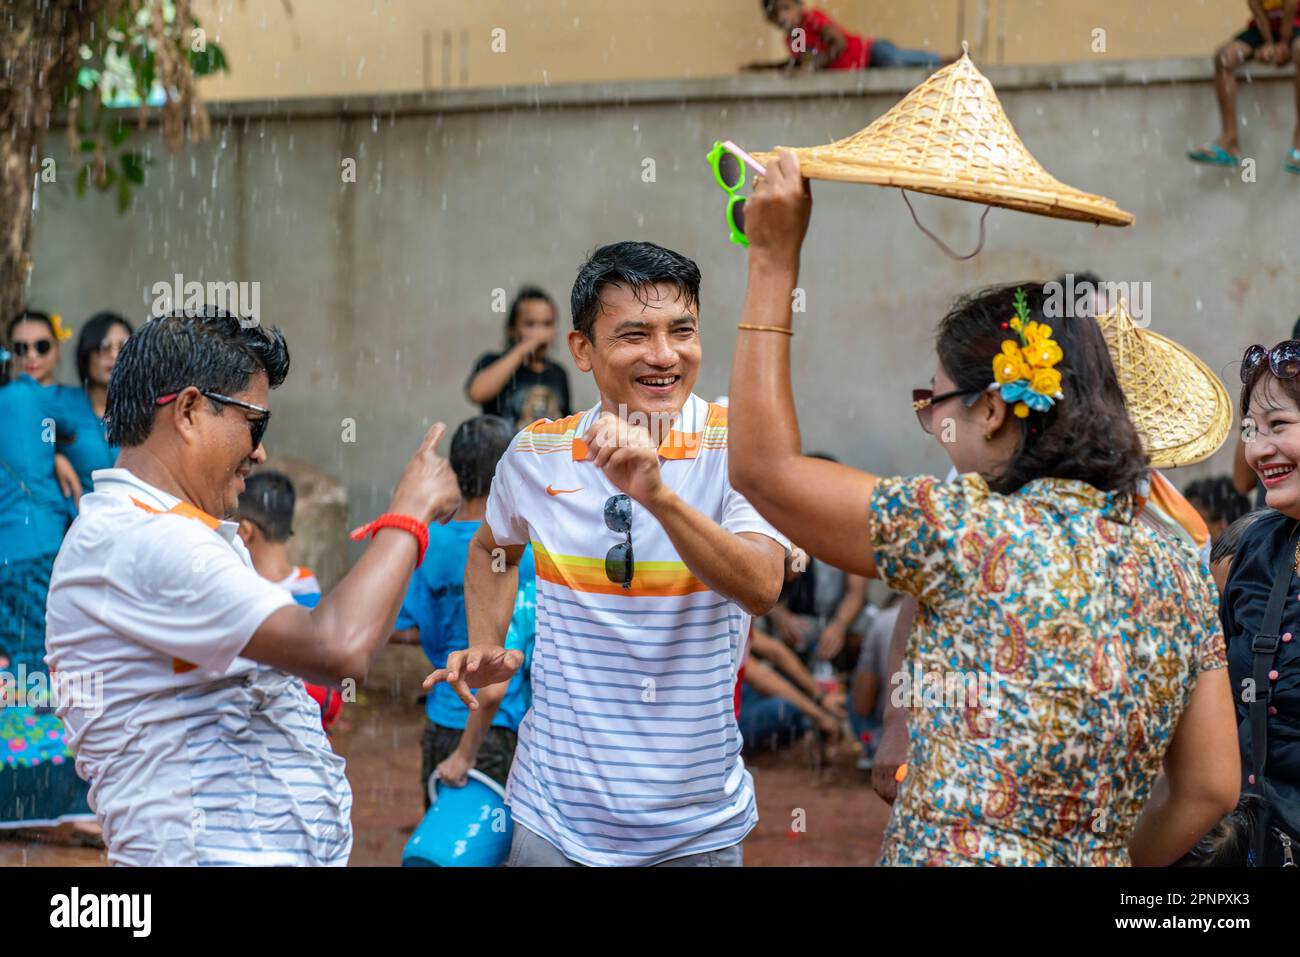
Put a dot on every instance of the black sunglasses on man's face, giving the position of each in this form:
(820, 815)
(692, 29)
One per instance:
(256, 427)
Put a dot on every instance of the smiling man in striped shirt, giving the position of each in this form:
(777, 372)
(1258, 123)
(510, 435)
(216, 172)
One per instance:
(649, 566)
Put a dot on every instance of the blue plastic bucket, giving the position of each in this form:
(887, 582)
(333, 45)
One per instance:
(468, 826)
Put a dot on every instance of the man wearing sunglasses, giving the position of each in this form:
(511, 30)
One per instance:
(202, 747)
(649, 566)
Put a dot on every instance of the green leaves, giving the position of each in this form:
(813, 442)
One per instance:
(209, 60)
(119, 71)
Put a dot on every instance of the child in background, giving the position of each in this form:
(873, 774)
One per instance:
(265, 515)
(1271, 36)
(819, 43)
(433, 614)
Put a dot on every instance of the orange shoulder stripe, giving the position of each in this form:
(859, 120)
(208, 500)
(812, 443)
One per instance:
(556, 427)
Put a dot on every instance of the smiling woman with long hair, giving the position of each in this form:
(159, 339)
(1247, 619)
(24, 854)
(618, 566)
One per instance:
(1068, 653)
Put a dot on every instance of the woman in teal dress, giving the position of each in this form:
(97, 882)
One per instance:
(88, 449)
(39, 786)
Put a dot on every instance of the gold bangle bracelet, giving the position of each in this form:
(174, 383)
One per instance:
(781, 329)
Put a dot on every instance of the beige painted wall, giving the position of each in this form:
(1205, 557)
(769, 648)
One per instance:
(333, 47)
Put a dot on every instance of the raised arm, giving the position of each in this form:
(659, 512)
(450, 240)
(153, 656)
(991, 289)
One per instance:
(339, 638)
(488, 382)
(811, 500)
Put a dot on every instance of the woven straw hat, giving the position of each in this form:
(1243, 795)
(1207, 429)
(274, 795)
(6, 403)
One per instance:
(1180, 407)
(951, 137)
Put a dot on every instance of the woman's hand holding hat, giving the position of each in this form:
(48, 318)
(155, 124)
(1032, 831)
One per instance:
(776, 215)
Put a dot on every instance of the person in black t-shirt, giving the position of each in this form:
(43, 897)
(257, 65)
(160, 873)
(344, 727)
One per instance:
(521, 385)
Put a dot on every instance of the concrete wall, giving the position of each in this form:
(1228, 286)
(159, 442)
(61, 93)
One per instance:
(337, 47)
(384, 287)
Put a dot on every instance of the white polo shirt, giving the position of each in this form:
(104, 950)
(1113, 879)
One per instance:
(630, 754)
(195, 756)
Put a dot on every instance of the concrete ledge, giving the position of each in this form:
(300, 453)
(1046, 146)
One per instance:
(757, 86)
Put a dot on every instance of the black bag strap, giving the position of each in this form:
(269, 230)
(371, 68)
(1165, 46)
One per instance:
(1264, 646)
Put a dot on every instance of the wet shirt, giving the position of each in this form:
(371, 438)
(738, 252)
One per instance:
(1056, 644)
(528, 395)
(630, 754)
(195, 755)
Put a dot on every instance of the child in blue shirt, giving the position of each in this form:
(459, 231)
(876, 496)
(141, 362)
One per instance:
(433, 614)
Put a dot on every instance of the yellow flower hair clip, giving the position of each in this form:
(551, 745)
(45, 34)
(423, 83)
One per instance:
(1025, 370)
(61, 332)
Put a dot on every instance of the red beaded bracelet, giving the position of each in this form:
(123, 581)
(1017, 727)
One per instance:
(396, 520)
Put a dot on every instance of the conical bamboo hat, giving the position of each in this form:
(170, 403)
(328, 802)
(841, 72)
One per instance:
(951, 137)
(1180, 407)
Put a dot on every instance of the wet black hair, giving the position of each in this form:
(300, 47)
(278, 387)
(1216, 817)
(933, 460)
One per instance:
(1227, 544)
(476, 448)
(267, 501)
(92, 336)
(1088, 435)
(30, 315)
(1219, 497)
(525, 294)
(205, 348)
(636, 265)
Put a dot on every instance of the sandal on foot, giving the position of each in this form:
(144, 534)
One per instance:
(1213, 155)
(1292, 164)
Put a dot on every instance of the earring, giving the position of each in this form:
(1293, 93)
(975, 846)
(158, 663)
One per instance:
(988, 436)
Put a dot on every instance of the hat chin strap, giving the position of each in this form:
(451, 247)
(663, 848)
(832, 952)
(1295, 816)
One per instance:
(939, 242)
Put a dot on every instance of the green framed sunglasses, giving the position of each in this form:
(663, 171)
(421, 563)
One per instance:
(729, 161)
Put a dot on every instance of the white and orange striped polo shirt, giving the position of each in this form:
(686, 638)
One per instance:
(630, 754)
(195, 755)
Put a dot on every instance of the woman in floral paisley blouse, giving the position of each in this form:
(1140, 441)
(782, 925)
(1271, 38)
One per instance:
(1064, 654)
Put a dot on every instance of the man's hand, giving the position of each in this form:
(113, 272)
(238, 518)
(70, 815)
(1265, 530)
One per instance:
(69, 484)
(427, 489)
(453, 770)
(776, 215)
(476, 668)
(891, 753)
(627, 455)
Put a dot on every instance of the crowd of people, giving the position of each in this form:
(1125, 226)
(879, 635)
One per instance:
(622, 604)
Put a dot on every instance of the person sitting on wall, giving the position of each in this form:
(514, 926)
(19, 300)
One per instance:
(817, 42)
(1270, 37)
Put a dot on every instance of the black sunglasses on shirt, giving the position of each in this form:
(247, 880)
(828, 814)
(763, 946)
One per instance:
(618, 561)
